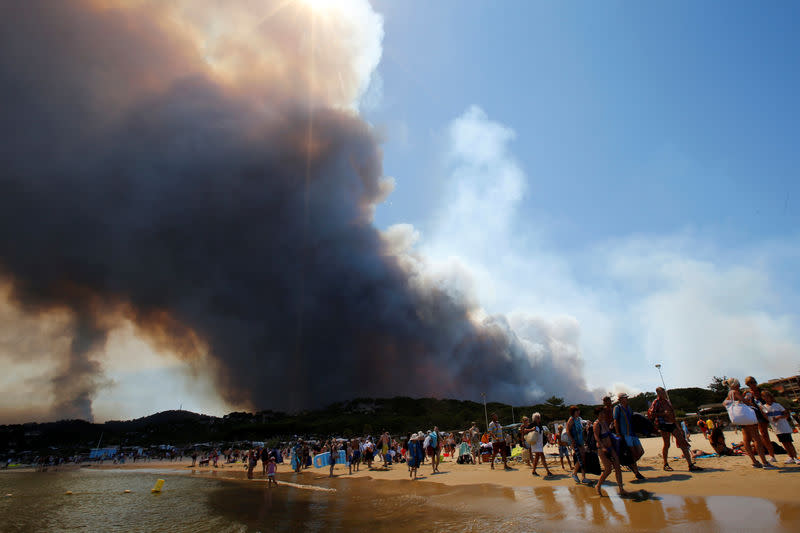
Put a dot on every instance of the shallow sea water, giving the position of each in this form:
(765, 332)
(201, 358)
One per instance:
(191, 503)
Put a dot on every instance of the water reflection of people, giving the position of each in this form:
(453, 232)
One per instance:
(696, 509)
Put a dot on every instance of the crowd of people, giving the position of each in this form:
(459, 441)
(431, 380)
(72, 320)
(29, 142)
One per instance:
(607, 443)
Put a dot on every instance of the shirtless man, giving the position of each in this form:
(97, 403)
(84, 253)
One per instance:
(498, 442)
(663, 415)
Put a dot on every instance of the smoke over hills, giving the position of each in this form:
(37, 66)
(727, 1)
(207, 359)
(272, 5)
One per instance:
(202, 173)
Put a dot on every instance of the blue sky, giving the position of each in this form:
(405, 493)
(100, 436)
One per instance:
(629, 116)
(658, 136)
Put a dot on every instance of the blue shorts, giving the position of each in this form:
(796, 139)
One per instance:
(563, 451)
(633, 441)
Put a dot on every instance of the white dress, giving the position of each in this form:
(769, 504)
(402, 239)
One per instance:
(538, 446)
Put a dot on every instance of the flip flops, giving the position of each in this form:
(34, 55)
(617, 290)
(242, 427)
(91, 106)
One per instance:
(668, 468)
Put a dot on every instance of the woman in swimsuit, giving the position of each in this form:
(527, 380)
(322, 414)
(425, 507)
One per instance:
(606, 451)
(749, 432)
(757, 401)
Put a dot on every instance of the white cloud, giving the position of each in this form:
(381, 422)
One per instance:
(678, 299)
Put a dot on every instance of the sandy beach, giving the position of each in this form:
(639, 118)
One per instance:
(722, 476)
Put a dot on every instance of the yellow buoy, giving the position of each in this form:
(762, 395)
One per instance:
(68, 493)
(157, 486)
(126, 491)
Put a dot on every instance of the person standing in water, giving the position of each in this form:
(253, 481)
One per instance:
(271, 468)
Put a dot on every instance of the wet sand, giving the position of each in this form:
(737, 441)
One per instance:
(729, 494)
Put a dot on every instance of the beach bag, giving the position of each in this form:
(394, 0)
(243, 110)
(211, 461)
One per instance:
(741, 414)
(532, 437)
(625, 454)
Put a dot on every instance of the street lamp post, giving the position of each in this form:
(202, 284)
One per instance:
(485, 412)
(658, 367)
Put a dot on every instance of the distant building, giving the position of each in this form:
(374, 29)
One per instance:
(789, 387)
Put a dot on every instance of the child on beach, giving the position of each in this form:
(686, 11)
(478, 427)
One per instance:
(271, 468)
(563, 447)
(778, 418)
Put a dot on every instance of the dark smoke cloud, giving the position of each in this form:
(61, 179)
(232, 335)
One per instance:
(137, 184)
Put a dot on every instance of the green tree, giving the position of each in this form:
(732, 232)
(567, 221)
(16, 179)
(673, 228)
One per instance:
(718, 384)
(555, 401)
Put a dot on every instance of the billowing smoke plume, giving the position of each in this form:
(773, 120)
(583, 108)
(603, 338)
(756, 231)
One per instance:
(198, 168)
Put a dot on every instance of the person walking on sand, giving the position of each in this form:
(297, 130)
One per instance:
(415, 454)
(623, 424)
(537, 446)
(357, 449)
(432, 444)
(475, 442)
(750, 431)
(606, 451)
(498, 441)
(685, 429)
(755, 399)
(779, 418)
(662, 414)
(348, 454)
(563, 447)
(524, 429)
(385, 442)
(576, 434)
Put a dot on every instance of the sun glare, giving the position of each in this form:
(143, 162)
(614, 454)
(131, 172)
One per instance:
(319, 6)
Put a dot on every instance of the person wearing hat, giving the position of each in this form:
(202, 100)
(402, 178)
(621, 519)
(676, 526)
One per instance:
(415, 454)
(623, 425)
